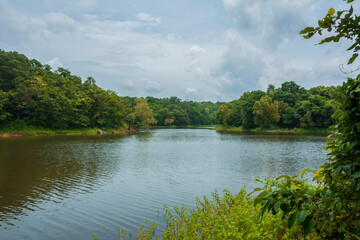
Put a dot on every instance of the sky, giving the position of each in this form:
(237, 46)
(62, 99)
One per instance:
(203, 50)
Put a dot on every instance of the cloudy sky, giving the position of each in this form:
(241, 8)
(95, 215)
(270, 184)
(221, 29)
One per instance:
(194, 49)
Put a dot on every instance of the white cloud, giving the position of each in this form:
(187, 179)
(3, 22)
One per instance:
(195, 50)
(148, 18)
(152, 87)
(134, 53)
(269, 23)
(55, 63)
(58, 22)
(191, 90)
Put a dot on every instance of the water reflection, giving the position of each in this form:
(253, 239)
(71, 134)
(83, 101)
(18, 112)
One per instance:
(68, 187)
(37, 169)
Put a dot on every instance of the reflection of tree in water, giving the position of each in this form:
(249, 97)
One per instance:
(272, 136)
(33, 170)
(143, 136)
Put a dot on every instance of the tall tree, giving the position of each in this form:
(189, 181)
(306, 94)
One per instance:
(266, 112)
(143, 114)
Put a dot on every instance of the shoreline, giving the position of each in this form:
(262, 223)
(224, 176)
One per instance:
(98, 131)
(275, 131)
(90, 131)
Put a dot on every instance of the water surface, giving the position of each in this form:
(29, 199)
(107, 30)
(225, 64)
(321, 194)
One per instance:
(67, 187)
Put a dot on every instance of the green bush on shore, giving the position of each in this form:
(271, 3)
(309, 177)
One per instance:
(227, 217)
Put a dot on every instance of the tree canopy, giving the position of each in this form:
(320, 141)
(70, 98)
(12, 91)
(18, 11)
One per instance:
(288, 106)
(32, 94)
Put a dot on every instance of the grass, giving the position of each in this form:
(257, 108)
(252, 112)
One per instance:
(20, 128)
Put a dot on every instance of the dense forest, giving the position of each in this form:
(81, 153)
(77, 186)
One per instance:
(32, 94)
(289, 106)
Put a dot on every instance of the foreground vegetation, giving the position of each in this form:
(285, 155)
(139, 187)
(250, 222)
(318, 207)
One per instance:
(227, 217)
(332, 206)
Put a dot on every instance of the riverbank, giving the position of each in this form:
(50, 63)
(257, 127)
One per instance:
(276, 131)
(36, 131)
(188, 126)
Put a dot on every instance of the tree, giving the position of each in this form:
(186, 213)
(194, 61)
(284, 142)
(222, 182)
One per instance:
(3, 102)
(291, 117)
(306, 121)
(285, 96)
(332, 206)
(13, 67)
(270, 89)
(266, 112)
(290, 87)
(169, 121)
(143, 114)
(249, 100)
(224, 115)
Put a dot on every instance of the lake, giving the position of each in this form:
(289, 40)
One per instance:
(68, 187)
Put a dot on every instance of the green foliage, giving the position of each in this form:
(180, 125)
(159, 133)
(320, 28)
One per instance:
(224, 114)
(174, 111)
(266, 111)
(290, 87)
(343, 24)
(227, 217)
(143, 114)
(33, 93)
(289, 106)
(247, 102)
(291, 118)
(331, 208)
(224, 217)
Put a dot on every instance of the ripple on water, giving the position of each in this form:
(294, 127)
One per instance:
(68, 187)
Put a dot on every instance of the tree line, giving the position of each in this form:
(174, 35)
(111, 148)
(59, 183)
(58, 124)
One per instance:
(289, 106)
(33, 94)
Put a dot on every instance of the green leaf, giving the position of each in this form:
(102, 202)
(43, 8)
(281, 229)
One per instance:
(326, 40)
(284, 207)
(260, 197)
(307, 30)
(301, 216)
(308, 225)
(352, 46)
(331, 11)
(276, 206)
(291, 221)
(356, 174)
(352, 59)
(263, 210)
(282, 176)
(303, 172)
(347, 169)
(309, 35)
(339, 206)
(353, 144)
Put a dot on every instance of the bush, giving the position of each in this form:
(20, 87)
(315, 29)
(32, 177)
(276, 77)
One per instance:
(227, 217)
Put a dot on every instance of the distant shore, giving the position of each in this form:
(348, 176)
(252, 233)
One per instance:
(277, 131)
(49, 132)
(35, 131)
